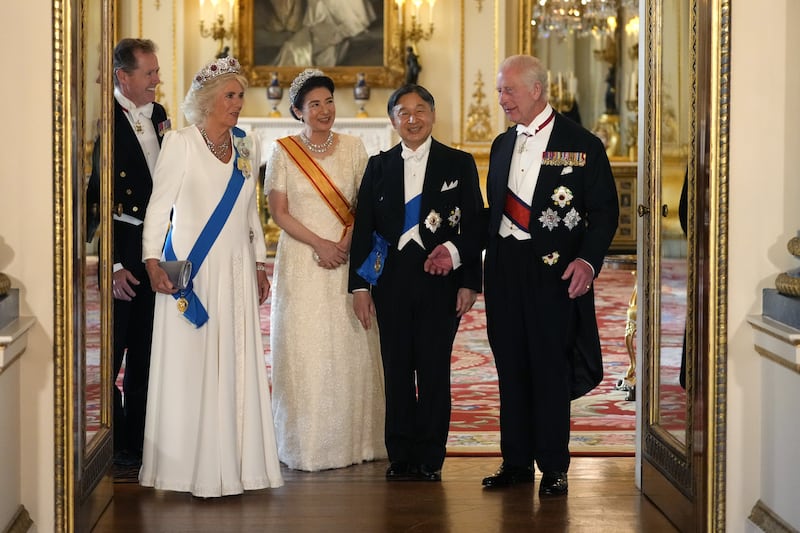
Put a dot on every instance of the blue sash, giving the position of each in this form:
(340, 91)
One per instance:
(372, 267)
(412, 213)
(195, 312)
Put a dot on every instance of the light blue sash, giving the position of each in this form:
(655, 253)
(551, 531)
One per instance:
(195, 311)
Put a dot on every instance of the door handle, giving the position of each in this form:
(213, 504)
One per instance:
(642, 210)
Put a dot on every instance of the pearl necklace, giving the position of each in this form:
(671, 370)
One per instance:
(317, 148)
(218, 151)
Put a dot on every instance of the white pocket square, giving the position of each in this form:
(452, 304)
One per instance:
(566, 170)
(446, 186)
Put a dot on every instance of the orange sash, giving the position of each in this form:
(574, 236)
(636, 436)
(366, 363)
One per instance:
(320, 180)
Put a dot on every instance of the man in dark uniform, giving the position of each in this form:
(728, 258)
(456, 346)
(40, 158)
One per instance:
(423, 199)
(552, 215)
(139, 126)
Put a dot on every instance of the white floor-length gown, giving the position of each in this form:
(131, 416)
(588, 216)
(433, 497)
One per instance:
(327, 377)
(209, 427)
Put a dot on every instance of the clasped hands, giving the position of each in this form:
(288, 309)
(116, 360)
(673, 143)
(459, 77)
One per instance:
(329, 254)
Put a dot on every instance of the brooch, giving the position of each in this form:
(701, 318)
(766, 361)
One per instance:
(549, 219)
(562, 196)
(572, 218)
(455, 217)
(433, 221)
(244, 147)
(551, 258)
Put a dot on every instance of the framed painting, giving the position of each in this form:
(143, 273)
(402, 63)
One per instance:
(341, 37)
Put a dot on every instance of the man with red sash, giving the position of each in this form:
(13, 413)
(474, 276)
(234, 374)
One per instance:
(552, 215)
(416, 265)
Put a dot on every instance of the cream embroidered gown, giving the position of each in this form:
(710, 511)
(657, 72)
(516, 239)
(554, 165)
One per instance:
(327, 376)
(209, 428)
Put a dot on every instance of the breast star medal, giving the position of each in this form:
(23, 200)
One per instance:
(183, 304)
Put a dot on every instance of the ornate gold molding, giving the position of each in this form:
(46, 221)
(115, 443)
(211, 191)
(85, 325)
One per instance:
(479, 124)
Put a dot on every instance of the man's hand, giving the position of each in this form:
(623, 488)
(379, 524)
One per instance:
(465, 299)
(439, 262)
(364, 308)
(582, 277)
(121, 282)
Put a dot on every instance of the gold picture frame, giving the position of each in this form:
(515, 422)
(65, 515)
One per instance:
(250, 51)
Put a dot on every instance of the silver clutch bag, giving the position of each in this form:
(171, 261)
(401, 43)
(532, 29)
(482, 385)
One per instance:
(179, 272)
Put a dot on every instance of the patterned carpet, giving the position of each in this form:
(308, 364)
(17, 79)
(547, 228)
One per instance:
(603, 422)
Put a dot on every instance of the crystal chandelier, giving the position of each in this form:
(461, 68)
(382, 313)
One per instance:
(560, 18)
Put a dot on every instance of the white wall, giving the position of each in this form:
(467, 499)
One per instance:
(26, 230)
(764, 215)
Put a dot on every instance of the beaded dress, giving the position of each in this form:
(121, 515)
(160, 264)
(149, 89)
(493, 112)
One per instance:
(327, 377)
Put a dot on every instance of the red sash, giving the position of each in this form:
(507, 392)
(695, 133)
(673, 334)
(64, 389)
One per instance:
(517, 211)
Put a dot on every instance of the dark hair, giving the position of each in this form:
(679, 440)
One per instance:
(310, 84)
(125, 56)
(410, 88)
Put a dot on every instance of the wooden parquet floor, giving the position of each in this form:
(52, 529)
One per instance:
(602, 498)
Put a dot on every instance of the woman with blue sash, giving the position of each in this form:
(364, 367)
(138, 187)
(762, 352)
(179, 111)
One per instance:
(209, 427)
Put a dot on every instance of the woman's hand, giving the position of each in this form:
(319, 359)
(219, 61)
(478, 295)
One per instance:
(263, 283)
(159, 281)
(329, 255)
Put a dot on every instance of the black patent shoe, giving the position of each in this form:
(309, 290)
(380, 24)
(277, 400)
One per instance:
(428, 473)
(399, 471)
(508, 475)
(553, 484)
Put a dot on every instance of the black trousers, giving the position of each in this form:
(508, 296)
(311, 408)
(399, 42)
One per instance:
(133, 334)
(530, 325)
(417, 321)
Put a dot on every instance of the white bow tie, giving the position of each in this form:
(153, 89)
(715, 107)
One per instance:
(408, 153)
(525, 130)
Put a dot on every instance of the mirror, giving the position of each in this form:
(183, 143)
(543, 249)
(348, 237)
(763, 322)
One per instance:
(93, 395)
(682, 276)
(593, 62)
(676, 95)
(262, 42)
(82, 32)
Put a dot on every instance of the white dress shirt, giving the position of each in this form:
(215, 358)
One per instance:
(526, 161)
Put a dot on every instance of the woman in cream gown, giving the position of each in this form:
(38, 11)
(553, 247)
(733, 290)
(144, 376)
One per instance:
(327, 378)
(209, 427)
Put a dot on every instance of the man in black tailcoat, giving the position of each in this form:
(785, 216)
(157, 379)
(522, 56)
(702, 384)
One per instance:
(139, 127)
(422, 200)
(553, 212)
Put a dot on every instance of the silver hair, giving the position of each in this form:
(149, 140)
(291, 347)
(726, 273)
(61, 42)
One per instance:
(199, 101)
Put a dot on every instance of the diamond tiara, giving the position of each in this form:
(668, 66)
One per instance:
(301, 80)
(218, 67)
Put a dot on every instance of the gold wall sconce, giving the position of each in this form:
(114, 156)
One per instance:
(411, 33)
(218, 31)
